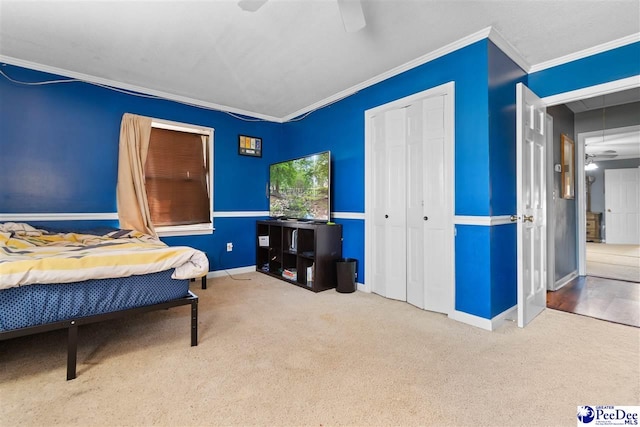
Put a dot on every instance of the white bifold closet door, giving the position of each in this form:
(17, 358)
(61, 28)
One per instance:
(410, 239)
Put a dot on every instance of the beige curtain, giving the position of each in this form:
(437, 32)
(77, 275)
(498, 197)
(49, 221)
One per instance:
(133, 207)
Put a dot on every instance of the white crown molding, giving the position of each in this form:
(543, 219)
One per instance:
(633, 38)
(58, 216)
(86, 78)
(508, 49)
(591, 91)
(489, 32)
(445, 50)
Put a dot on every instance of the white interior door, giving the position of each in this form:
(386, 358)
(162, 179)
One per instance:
(389, 191)
(531, 204)
(415, 205)
(622, 206)
(377, 245)
(437, 236)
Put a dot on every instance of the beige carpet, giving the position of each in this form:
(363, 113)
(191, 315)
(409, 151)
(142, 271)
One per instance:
(276, 355)
(621, 262)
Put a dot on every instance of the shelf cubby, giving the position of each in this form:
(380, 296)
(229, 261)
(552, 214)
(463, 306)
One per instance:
(309, 249)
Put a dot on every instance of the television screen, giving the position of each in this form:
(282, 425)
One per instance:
(299, 188)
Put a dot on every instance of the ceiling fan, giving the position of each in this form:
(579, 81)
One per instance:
(350, 10)
(606, 154)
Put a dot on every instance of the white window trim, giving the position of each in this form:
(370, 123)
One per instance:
(184, 230)
(191, 229)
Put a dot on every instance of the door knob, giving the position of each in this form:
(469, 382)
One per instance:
(426, 218)
(608, 210)
(514, 218)
(526, 218)
(386, 216)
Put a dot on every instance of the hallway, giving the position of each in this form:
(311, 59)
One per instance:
(620, 262)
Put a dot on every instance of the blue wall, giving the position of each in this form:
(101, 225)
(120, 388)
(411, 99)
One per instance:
(340, 128)
(604, 67)
(486, 275)
(59, 143)
(79, 124)
(59, 154)
(504, 74)
(473, 270)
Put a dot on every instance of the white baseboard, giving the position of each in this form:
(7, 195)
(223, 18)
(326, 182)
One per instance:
(231, 271)
(509, 315)
(566, 279)
(363, 287)
(470, 319)
(251, 268)
(481, 322)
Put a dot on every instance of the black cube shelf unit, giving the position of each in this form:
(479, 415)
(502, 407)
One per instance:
(301, 253)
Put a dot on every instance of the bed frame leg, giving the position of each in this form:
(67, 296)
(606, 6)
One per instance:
(72, 351)
(194, 323)
(204, 282)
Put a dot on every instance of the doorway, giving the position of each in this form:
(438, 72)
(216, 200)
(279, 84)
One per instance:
(581, 289)
(409, 194)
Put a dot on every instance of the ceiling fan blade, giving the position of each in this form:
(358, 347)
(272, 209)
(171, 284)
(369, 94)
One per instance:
(251, 5)
(352, 16)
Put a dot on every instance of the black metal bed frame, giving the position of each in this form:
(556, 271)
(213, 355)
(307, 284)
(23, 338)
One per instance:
(72, 325)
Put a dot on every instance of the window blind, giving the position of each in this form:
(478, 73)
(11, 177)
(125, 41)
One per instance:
(176, 178)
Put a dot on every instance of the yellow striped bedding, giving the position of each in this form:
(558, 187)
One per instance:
(29, 256)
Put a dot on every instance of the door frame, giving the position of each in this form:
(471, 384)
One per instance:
(551, 209)
(581, 186)
(581, 244)
(447, 89)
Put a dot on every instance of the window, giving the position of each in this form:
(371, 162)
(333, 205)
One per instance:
(179, 178)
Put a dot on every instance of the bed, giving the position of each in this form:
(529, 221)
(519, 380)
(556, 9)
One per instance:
(60, 280)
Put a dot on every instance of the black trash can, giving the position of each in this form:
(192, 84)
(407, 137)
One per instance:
(346, 269)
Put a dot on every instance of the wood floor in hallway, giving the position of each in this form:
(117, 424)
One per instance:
(612, 300)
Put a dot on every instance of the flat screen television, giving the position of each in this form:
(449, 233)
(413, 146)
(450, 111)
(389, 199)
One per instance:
(300, 188)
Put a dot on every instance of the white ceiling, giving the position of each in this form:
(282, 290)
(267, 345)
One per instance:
(290, 54)
(603, 101)
(611, 144)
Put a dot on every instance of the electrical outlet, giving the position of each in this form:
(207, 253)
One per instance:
(229, 247)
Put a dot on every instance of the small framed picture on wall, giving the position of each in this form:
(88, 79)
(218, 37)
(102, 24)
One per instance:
(249, 146)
